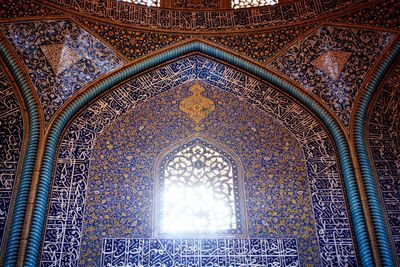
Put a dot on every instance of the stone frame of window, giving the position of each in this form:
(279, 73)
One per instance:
(239, 195)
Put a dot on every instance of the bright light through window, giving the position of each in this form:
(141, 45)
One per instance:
(198, 191)
(143, 2)
(252, 3)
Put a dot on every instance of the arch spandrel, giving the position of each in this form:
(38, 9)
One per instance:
(333, 62)
(60, 58)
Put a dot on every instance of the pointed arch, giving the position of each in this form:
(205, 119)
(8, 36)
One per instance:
(35, 126)
(136, 68)
(365, 163)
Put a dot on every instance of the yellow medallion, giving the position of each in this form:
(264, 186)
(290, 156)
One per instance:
(196, 106)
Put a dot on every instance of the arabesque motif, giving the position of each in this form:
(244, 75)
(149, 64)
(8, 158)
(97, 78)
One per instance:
(310, 63)
(196, 106)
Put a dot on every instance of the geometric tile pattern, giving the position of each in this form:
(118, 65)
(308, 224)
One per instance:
(314, 62)
(11, 135)
(63, 230)
(200, 252)
(60, 57)
(332, 62)
(384, 141)
(41, 45)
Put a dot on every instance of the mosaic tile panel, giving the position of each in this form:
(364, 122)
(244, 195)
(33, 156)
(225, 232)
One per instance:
(384, 141)
(332, 63)
(120, 196)
(11, 134)
(132, 43)
(200, 252)
(14, 9)
(384, 14)
(64, 223)
(60, 57)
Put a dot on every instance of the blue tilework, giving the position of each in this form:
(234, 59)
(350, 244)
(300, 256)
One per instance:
(85, 59)
(384, 141)
(200, 252)
(363, 47)
(64, 224)
(11, 135)
(120, 196)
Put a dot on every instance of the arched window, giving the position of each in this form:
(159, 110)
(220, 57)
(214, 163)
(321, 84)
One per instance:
(198, 192)
(252, 3)
(203, 4)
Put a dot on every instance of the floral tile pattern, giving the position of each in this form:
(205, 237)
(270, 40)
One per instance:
(120, 196)
(60, 57)
(132, 43)
(261, 46)
(135, 43)
(11, 135)
(307, 62)
(75, 193)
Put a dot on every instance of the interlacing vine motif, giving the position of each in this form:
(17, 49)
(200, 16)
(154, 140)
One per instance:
(199, 191)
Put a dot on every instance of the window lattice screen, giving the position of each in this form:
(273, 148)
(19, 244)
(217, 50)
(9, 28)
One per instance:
(144, 2)
(252, 3)
(199, 192)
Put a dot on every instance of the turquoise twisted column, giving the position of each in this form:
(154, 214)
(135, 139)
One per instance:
(385, 249)
(14, 237)
(79, 103)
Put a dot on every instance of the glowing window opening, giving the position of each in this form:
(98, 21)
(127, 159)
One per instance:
(149, 3)
(252, 3)
(198, 192)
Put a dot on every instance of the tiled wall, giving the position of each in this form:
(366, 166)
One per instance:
(61, 58)
(384, 141)
(11, 136)
(72, 184)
